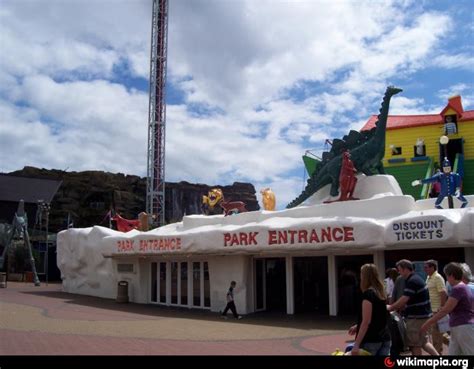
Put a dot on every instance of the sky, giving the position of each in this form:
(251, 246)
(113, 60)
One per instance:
(251, 85)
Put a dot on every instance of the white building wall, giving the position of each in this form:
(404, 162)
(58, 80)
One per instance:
(223, 270)
(379, 261)
(383, 220)
(142, 294)
(84, 270)
(332, 284)
(138, 280)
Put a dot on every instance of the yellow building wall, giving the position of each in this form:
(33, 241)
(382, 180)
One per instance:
(406, 139)
(466, 130)
(450, 111)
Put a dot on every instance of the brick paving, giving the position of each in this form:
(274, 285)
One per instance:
(46, 321)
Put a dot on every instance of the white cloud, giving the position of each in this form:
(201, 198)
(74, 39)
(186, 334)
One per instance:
(81, 125)
(402, 105)
(243, 57)
(89, 37)
(463, 89)
(218, 149)
(464, 61)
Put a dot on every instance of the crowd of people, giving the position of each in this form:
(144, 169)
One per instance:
(423, 313)
(405, 313)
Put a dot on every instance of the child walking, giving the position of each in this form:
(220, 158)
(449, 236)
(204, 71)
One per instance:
(230, 302)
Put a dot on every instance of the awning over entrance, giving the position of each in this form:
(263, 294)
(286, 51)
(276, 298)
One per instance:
(288, 230)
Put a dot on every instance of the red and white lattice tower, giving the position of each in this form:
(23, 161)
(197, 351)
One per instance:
(155, 186)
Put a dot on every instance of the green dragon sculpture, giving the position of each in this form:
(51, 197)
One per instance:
(367, 151)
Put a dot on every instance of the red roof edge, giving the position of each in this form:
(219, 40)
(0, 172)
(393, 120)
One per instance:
(454, 103)
(370, 123)
(400, 121)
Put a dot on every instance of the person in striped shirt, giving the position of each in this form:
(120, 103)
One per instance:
(450, 127)
(416, 300)
(438, 297)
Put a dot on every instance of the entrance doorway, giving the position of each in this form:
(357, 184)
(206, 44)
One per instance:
(180, 283)
(454, 147)
(270, 284)
(348, 282)
(311, 285)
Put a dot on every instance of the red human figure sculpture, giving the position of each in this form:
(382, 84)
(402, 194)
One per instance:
(347, 178)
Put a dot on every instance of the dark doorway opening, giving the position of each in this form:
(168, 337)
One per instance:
(442, 256)
(270, 286)
(454, 146)
(276, 284)
(311, 285)
(348, 282)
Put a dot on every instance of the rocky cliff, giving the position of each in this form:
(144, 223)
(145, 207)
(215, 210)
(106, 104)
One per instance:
(87, 196)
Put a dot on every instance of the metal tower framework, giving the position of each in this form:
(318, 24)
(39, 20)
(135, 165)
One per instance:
(155, 196)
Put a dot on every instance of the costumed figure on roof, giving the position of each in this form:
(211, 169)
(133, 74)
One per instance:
(233, 207)
(450, 184)
(214, 203)
(268, 199)
(126, 225)
(211, 202)
(347, 178)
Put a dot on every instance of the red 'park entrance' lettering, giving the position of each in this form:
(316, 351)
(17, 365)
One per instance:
(240, 239)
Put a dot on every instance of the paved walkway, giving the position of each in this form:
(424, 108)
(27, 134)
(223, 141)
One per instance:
(46, 321)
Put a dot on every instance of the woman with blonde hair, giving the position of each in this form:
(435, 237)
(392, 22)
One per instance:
(372, 331)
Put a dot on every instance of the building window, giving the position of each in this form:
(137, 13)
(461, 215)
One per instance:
(450, 125)
(207, 285)
(125, 268)
(97, 205)
(197, 284)
(181, 283)
(174, 282)
(396, 150)
(163, 283)
(419, 150)
(154, 282)
(184, 283)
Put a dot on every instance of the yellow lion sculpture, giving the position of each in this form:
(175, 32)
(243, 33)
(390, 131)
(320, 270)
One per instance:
(268, 198)
(211, 202)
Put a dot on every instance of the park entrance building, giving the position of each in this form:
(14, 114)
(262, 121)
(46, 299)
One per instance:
(295, 261)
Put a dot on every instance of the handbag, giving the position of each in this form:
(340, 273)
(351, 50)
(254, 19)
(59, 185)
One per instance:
(443, 324)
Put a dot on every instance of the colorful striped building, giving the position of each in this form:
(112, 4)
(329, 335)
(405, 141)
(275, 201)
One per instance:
(413, 149)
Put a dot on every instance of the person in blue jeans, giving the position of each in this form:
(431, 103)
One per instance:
(372, 329)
